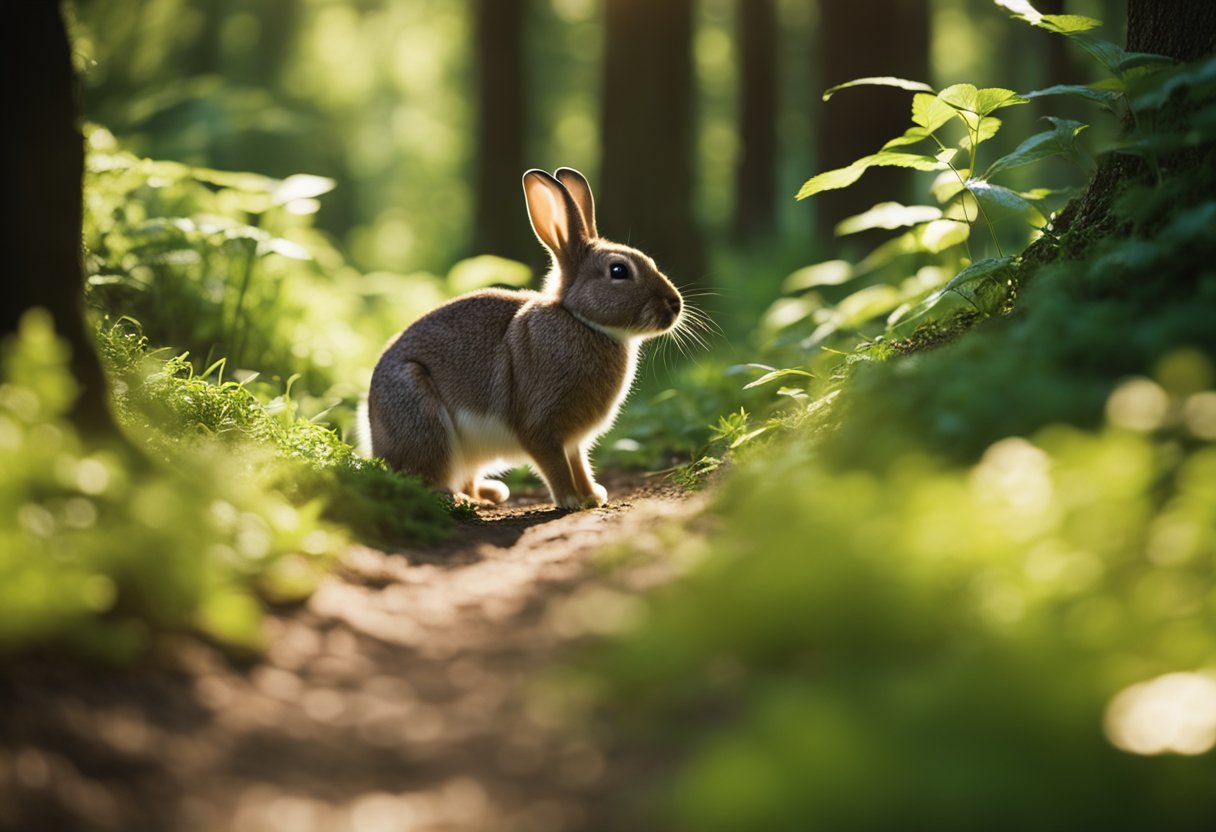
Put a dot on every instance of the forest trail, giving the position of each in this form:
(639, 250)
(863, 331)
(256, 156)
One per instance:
(402, 696)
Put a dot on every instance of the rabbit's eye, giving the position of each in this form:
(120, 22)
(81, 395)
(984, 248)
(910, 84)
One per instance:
(618, 271)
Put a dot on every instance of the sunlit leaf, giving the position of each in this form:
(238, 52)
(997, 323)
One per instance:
(939, 235)
(828, 273)
(1058, 141)
(843, 177)
(775, 375)
(883, 81)
(284, 248)
(888, 215)
(487, 270)
(998, 196)
(930, 112)
(866, 304)
(987, 127)
(301, 186)
(1063, 24)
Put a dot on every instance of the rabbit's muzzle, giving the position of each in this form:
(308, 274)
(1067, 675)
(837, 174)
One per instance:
(668, 312)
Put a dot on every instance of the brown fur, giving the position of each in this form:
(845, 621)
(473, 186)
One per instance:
(522, 376)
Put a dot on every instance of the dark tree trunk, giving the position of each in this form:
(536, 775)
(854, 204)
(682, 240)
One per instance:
(645, 192)
(42, 172)
(755, 174)
(1181, 29)
(499, 222)
(860, 38)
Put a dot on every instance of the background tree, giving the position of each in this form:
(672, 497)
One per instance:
(499, 224)
(755, 172)
(645, 188)
(42, 171)
(856, 39)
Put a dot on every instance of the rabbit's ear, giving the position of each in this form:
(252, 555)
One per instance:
(555, 218)
(577, 185)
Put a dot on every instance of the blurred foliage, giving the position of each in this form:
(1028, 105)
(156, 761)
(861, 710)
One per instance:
(102, 546)
(962, 574)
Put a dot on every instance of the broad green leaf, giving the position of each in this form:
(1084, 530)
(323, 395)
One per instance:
(985, 130)
(301, 186)
(785, 312)
(832, 180)
(911, 136)
(883, 81)
(248, 182)
(1135, 60)
(930, 112)
(774, 375)
(949, 184)
(1110, 55)
(983, 284)
(487, 270)
(937, 306)
(998, 196)
(1106, 98)
(283, 248)
(991, 99)
(1058, 141)
(979, 270)
(888, 215)
(1069, 24)
(843, 177)
(866, 304)
(1154, 91)
(960, 97)
(1063, 24)
(829, 273)
(939, 235)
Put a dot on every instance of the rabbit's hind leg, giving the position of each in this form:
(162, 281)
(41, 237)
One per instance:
(410, 426)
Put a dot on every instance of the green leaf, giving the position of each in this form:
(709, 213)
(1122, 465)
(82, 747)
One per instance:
(981, 285)
(981, 102)
(1058, 141)
(997, 196)
(301, 186)
(985, 130)
(1106, 98)
(930, 112)
(829, 273)
(1158, 89)
(883, 81)
(888, 215)
(911, 136)
(1061, 24)
(843, 177)
(487, 270)
(774, 375)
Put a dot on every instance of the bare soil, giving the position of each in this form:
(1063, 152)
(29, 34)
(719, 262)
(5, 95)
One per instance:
(403, 695)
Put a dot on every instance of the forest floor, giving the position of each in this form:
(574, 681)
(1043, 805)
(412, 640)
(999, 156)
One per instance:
(407, 693)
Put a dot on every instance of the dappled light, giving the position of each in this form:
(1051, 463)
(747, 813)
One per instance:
(870, 453)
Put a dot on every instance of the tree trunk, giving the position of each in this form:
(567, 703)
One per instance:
(1185, 30)
(646, 181)
(755, 174)
(1181, 29)
(42, 172)
(499, 222)
(860, 38)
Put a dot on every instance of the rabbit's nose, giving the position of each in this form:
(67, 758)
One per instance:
(673, 304)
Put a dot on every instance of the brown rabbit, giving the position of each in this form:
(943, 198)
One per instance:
(495, 377)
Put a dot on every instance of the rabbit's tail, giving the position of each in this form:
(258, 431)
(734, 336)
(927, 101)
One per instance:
(363, 431)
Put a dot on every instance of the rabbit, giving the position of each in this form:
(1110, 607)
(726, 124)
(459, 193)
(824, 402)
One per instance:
(496, 378)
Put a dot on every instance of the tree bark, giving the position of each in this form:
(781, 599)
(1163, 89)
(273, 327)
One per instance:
(1184, 30)
(646, 181)
(857, 39)
(499, 223)
(43, 169)
(755, 174)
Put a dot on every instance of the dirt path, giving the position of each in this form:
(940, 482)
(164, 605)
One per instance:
(402, 696)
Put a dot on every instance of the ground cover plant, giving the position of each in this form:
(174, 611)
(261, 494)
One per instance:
(964, 572)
